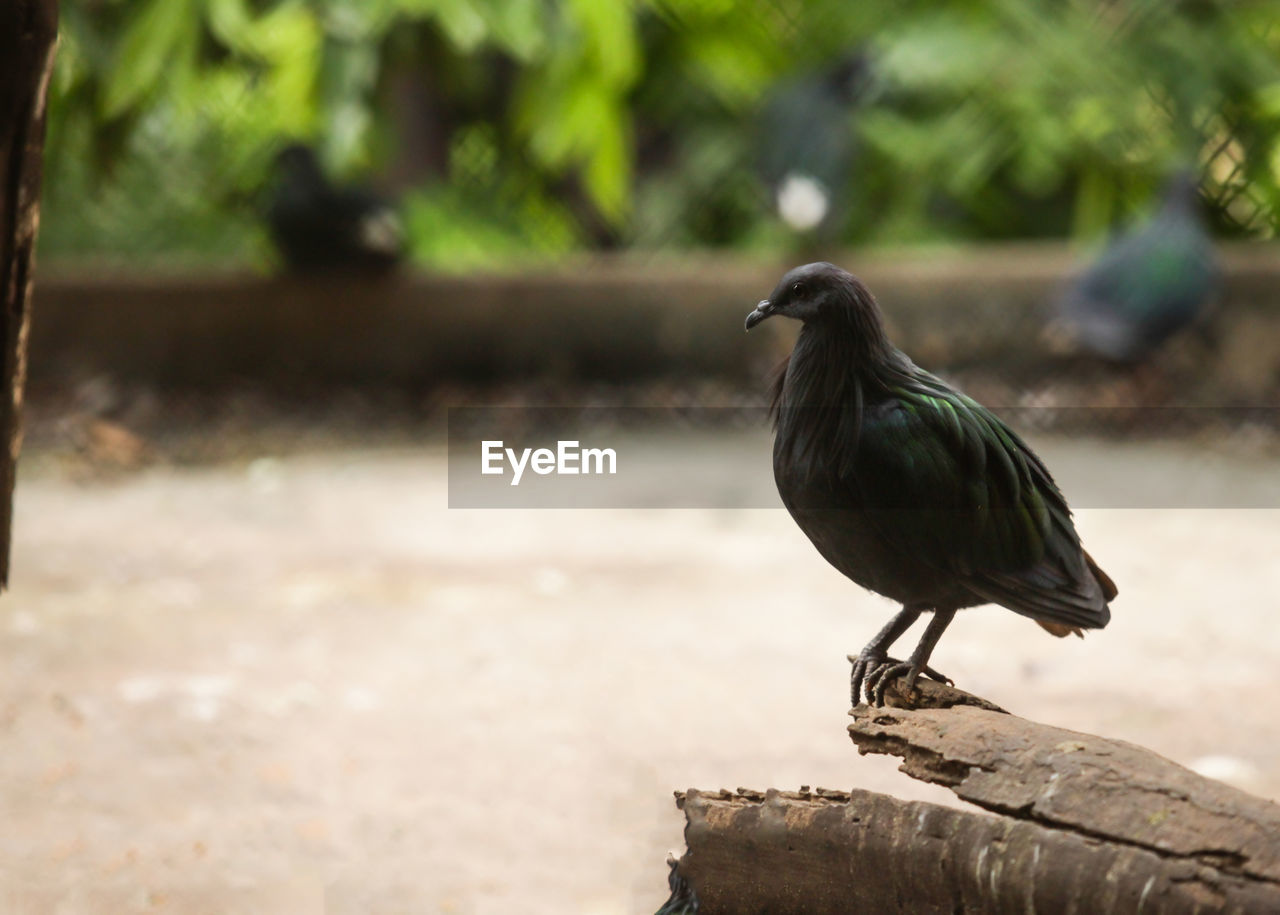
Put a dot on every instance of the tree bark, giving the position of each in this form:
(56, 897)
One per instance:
(28, 33)
(1071, 823)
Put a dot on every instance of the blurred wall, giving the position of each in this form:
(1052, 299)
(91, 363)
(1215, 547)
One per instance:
(608, 319)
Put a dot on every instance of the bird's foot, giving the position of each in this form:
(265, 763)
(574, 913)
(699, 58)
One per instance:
(865, 663)
(874, 671)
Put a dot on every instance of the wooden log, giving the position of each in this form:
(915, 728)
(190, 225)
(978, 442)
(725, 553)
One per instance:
(1106, 789)
(28, 33)
(803, 852)
(1072, 823)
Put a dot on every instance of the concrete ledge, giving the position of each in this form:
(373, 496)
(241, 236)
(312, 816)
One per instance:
(607, 319)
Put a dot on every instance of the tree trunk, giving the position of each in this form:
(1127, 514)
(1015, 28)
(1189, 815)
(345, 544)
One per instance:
(1071, 823)
(28, 33)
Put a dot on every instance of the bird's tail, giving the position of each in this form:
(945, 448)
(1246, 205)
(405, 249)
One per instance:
(1061, 630)
(1109, 592)
(1109, 589)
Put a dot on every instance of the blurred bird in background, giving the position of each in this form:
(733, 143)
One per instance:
(1145, 287)
(807, 143)
(319, 226)
(912, 489)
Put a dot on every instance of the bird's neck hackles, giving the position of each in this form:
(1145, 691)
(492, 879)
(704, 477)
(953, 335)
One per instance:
(844, 353)
(839, 365)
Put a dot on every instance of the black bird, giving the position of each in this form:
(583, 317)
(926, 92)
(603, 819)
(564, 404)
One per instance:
(1145, 287)
(683, 900)
(912, 489)
(807, 143)
(322, 227)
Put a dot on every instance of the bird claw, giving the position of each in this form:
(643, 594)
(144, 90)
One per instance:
(937, 677)
(873, 672)
(883, 676)
(865, 664)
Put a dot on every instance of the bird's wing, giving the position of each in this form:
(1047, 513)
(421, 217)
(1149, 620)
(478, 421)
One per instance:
(945, 479)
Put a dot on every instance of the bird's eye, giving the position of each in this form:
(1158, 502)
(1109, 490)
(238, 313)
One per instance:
(797, 289)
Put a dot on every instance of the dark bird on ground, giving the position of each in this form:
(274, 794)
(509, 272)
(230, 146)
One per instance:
(912, 489)
(319, 226)
(807, 142)
(1145, 287)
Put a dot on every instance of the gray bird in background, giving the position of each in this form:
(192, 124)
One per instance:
(1146, 286)
(807, 142)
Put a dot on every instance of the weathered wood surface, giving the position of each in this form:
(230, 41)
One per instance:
(1094, 786)
(862, 852)
(28, 32)
(1072, 823)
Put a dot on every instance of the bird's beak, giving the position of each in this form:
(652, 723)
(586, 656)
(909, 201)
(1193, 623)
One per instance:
(762, 311)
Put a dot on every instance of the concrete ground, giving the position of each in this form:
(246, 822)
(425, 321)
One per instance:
(303, 684)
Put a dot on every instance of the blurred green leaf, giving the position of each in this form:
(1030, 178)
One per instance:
(540, 125)
(154, 43)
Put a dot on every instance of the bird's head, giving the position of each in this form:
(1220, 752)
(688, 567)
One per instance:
(813, 293)
(298, 162)
(1182, 190)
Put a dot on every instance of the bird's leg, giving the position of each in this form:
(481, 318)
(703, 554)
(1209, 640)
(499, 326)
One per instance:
(874, 658)
(917, 664)
(874, 655)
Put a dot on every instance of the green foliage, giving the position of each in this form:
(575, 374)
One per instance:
(1095, 101)
(553, 125)
(164, 32)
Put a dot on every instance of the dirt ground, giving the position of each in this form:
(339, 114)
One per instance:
(304, 684)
